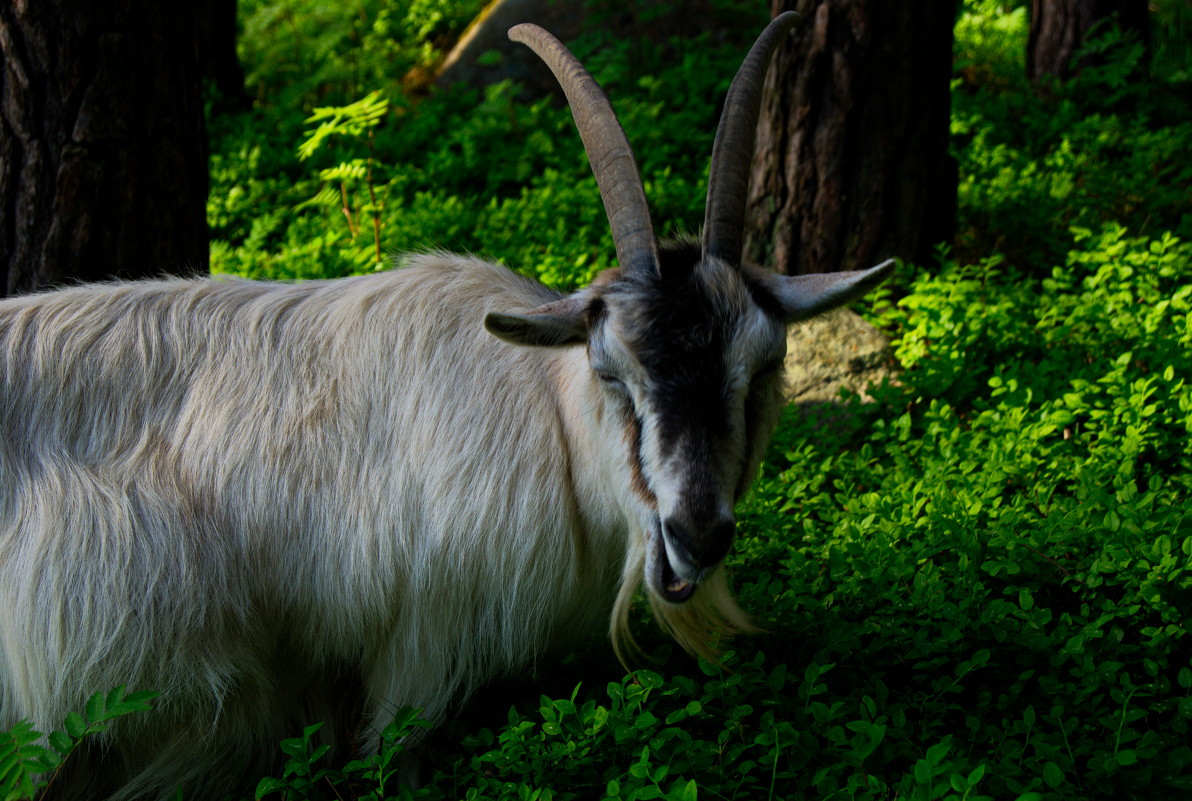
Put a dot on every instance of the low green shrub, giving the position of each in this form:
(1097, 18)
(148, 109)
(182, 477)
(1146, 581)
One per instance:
(29, 759)
(1037, 160)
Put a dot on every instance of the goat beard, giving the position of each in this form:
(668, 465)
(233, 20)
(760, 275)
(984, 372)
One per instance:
(702, 625)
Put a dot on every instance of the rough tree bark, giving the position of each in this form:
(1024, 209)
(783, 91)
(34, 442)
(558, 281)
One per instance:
(103, 148)
(1059, 27)
(852, 161)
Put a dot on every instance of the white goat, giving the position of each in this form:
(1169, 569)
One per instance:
(277, 504)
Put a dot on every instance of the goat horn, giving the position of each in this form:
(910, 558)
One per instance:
(732, 153)
(608, 150)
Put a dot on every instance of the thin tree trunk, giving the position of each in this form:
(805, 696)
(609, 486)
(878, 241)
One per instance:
(852, 161)
(103, 150)
(1060, 27)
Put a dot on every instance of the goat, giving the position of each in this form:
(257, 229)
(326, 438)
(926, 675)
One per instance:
(266, 500)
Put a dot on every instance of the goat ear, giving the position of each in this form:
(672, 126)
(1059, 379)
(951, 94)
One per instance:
(803, 296)
(563, 322)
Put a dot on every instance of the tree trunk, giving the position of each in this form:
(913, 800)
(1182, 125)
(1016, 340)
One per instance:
(103, 148)
(1059, 28)
(852, 161)
(221, 64)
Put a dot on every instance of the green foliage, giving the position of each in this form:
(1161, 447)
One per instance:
(377, 776)
(461, 170)
(1171, 40)
(29, 759)
(1036, 162)
(341, 182)
(300, 52)
(1011, 551)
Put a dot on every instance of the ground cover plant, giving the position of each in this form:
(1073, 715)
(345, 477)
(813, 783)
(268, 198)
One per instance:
(976, 586)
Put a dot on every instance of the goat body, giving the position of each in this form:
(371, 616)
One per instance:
(244, 495)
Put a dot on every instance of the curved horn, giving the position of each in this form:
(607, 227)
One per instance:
(607, 147)
(732, 153)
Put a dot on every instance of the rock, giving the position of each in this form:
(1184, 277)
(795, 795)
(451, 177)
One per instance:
(837, 350)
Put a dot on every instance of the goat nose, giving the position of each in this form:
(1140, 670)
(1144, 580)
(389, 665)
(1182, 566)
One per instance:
(699, 545)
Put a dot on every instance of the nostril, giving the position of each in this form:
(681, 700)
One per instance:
(700, 546)
(679, 540)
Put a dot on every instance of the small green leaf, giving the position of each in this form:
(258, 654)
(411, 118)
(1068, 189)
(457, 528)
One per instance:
(269, 785)
(1127, 756)
(75, 726)
(62, 742)
(94, 706)
(645, 720)
(937, 752)
(976, 774)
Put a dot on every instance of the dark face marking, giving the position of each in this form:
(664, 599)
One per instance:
(678, 333)
(686, 359)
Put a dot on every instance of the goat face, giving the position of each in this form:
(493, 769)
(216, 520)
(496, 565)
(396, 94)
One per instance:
(689, 365)
(686, 365)
(685, 342)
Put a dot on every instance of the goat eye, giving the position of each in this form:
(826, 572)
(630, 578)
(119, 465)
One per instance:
(612, 382)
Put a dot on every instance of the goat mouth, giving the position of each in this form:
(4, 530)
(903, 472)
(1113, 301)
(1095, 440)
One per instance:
(667, 583)
(674, 589)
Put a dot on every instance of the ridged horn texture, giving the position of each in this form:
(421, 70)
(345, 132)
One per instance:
(732, 153)
(607, 147)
